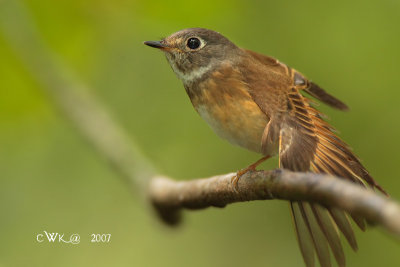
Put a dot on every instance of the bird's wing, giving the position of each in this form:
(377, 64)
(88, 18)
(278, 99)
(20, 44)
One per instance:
(299, 80)
(308, 143)
(314, 90)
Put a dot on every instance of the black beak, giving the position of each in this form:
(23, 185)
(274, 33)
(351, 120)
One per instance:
(155, 44)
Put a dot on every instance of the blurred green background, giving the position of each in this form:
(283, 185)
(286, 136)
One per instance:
(52, 180)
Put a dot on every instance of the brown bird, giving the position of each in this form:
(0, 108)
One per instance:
(257, 102)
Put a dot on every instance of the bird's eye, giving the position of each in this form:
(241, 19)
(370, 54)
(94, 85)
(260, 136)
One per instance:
(193, 43)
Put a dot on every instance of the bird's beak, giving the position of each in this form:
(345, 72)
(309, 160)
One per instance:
(155, 44)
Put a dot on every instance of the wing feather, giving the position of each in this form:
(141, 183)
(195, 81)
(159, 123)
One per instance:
(320, 94)
(308, 143)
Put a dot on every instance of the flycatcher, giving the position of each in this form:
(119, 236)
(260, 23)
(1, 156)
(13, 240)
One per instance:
(257, 102)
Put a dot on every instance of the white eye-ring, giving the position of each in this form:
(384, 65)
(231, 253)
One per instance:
(195, 43)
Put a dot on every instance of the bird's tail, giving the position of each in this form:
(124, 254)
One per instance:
(317, 230)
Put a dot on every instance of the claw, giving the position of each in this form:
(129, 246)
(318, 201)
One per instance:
(234, 182)
(240, 173)
(235, 179)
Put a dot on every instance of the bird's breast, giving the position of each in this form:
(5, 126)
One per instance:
(228, 108)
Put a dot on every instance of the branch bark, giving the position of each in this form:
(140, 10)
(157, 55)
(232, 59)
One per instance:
(169, 197)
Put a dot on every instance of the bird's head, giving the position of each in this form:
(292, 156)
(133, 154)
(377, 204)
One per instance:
(195, 51)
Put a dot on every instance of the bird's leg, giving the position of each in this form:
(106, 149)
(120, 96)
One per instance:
(252, 167)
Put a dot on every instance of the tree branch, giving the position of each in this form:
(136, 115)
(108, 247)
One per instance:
(170, 197)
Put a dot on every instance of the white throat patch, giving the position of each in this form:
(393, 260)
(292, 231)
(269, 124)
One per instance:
(190, 76)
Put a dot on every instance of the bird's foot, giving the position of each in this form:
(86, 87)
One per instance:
(235, 179)
(240, 173)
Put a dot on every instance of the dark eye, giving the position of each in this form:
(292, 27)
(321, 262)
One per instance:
(193, 43)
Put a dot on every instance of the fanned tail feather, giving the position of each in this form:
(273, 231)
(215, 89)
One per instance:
(317, 232)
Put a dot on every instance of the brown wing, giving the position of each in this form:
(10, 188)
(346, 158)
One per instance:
(297, 135)
(299, 80)
(320, 94)
(314, 90)
(307, 143)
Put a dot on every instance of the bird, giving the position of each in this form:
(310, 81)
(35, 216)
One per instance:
(261, 104)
